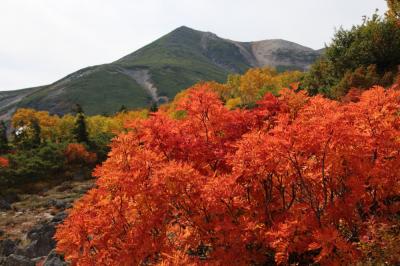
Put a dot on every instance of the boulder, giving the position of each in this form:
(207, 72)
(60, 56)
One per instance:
(10, 197)
(59, 217)
(18, 260)
(59, 204)
(4, 205)
(42, 241)
(41, 238)
(7, 247)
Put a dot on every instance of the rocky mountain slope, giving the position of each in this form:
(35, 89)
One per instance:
(156, 72)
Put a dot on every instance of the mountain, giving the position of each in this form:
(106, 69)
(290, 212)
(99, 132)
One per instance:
(157, 72)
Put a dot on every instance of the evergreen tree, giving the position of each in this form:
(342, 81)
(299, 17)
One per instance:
(80, 129)
(123, 109)
(3, 138)
(154, 107)
(78, 109)
(36, 130)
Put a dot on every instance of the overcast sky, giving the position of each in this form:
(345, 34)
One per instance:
(44, 40)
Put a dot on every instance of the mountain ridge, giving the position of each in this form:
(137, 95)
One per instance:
(157, 72)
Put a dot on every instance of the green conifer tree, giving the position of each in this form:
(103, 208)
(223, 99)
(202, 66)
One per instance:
(123, 109)
(3, 138)
(36, 131)
(154, 107)
(80, 129)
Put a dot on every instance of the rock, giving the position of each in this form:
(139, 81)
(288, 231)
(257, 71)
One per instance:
(41, 238)
(54, 259)
(59, 204)
(4, 205)
(7, 247)
(59, 217)
(10, 197)
(18, 260)
(64, 186)
(42, 241)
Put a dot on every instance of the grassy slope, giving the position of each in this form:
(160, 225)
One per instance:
(176, 61)
(100, 91)
(9, 100)
(105, 90)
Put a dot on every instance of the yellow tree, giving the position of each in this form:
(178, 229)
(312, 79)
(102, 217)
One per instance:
(64, 128)
(48, 123)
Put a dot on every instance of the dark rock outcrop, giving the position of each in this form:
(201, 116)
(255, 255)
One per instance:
(41, 246)
(59, 204)
(10, 197)
(42, 241)
(59, 217)
(7, 247)
(4, 205)
(17, 260)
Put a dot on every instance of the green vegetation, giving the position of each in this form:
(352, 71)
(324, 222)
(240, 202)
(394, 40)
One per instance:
(365, 55)
(99, 90)
(3, 137)
(32, 165)
(51, 149)
(178, 60)
(80, 129)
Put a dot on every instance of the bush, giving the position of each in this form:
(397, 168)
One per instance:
(44, 162)
(295, 180)
(365, 55)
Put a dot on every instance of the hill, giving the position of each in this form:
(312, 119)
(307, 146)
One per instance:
(156, 72)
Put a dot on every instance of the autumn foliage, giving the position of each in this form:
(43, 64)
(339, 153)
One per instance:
(77, 154)
(297, 179)
(3, 162)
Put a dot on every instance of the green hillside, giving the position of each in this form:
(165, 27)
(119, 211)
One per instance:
(98, 89)
(157, 72)
(180, 59)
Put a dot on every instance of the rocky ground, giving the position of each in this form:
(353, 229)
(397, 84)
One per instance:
(28, 223)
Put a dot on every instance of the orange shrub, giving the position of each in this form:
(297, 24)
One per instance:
(76, 154)
(4, 162)
(295, 181)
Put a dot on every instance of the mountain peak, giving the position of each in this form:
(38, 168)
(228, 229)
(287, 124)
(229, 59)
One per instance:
(186, 29)
(158, 71)
(183, 27)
